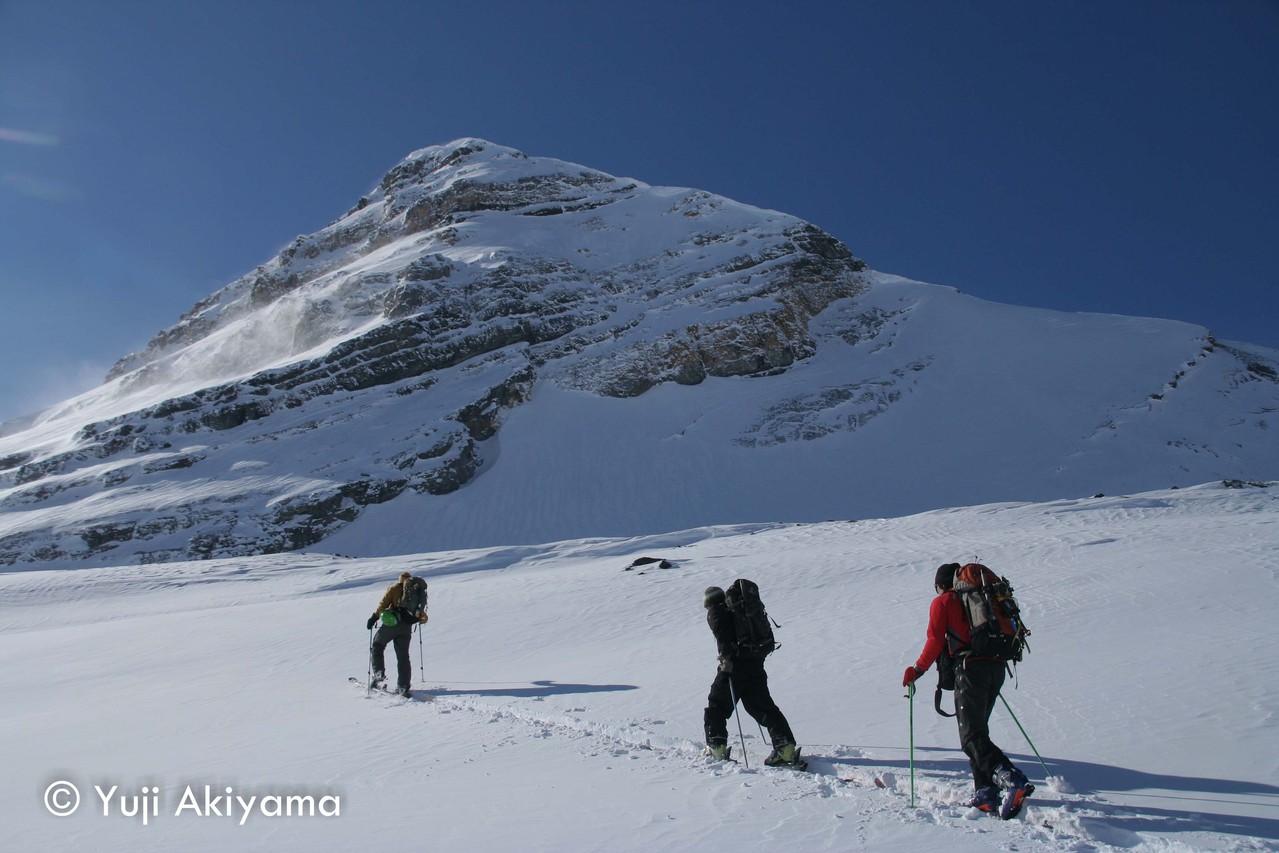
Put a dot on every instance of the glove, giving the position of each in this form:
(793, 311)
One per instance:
(372, 619)
(912, 673)
(422, 618)
(725, 664)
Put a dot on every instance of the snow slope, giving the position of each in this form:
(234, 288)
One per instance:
(568, 691)
(950, 401)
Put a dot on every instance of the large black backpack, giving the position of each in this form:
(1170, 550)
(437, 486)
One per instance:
(754, 628)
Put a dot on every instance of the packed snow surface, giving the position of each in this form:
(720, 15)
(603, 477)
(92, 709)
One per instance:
(566, 692)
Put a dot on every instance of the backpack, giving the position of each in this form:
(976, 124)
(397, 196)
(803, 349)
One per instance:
(992, 613)
(750, 619)
(413, 598)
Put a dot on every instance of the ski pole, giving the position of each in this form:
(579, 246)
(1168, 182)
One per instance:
(421, 661)
(733, 695)
(910, 694)
(368, 685)
(1026, 736)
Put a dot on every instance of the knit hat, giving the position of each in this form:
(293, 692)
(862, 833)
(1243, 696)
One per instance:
(946, 575)
(406, 575)
(713, 595)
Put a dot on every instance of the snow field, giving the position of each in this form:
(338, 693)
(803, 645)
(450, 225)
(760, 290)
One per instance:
(568, 691)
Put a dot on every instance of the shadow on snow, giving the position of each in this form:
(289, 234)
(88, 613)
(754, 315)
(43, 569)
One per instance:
(1090, 779)
(536, 690)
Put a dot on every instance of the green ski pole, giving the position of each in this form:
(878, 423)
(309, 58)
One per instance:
(1026, 736)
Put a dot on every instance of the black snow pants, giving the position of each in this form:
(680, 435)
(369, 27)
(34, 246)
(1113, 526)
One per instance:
(400, 635)
(977, 685)
(749, 683)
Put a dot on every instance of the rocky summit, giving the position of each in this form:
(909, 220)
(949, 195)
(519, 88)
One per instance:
(470, 272)
(492, 348)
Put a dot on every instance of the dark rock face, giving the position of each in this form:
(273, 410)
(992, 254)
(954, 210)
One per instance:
(470, 274)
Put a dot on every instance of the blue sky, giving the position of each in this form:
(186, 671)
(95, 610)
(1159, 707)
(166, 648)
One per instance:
(1114, 156)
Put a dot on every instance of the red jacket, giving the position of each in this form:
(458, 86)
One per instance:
(946, 626)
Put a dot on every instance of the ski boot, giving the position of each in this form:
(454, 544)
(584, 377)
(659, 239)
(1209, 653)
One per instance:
(404, 691)
(718, 751)
(379, 679)
(786, 755)
(986, 800)
(1016, 789)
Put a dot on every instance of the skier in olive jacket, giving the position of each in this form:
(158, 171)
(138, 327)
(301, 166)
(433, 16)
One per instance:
(397, 628)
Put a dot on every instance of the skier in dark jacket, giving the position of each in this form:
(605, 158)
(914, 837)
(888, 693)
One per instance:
(397, 630)
(741, 677)
(977, 685)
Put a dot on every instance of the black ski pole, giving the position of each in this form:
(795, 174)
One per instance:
(368, 686)
(421, 661)
(910, 694)
(733, 695)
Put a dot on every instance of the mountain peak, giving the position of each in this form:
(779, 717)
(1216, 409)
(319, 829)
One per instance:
(471, 267)
(458, 153)
(436, 168)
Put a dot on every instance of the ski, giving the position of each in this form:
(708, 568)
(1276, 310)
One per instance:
(861, 783)
(799, 764)
(387, 691)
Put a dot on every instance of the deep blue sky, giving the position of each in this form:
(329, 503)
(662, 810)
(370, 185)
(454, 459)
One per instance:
(1115, 156)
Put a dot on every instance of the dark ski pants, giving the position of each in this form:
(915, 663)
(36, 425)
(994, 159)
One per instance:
(749, 683)
(977, 685)
(400, 635)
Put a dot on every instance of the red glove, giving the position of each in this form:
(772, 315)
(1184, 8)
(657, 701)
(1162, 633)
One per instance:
(911, 674)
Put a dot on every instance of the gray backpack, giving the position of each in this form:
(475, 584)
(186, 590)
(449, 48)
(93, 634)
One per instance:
(413, 598)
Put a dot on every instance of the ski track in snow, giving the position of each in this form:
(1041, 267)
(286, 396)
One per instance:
(1055, 818)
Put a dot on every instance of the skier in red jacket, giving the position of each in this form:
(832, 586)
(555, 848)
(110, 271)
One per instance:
(977, 685)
